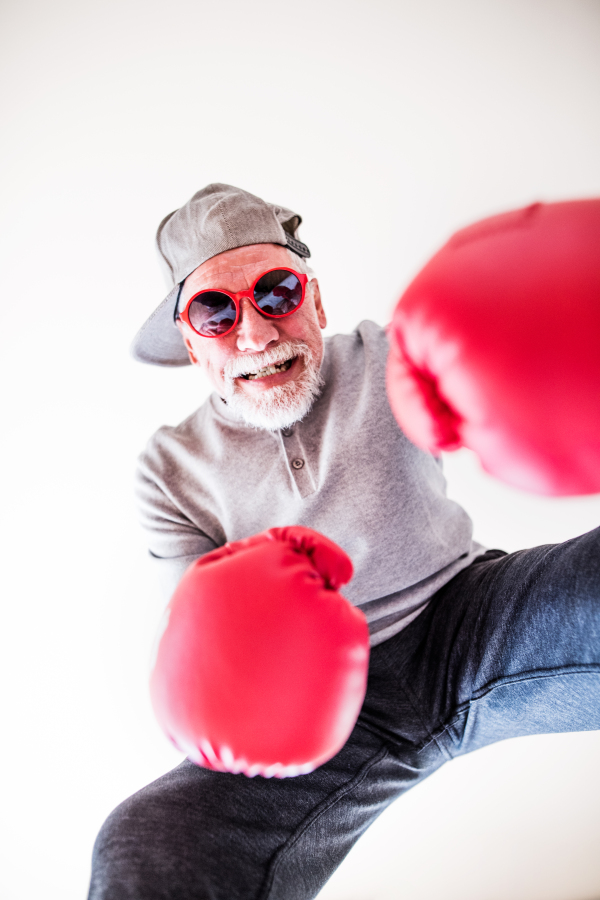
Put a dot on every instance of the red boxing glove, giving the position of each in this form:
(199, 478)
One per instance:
(261, 667)
(496, 346)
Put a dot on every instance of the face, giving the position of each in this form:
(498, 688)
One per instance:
(236, 363)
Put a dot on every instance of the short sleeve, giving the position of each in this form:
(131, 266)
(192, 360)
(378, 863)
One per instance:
(174, 542)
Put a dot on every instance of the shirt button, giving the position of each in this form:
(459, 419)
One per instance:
(297, 463)
(287, 432)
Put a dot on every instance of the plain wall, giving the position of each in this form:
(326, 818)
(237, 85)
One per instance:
(387, 125)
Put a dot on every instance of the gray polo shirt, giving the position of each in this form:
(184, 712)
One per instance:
(346, 470)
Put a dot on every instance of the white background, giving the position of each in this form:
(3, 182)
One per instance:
(387, 125)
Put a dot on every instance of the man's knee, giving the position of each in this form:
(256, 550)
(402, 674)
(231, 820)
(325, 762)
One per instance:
(181, 837)
(121, 858)
(139, 853)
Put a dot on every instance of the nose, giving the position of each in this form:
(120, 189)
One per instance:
(254, 331)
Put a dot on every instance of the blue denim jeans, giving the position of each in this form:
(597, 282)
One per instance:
(510, 646)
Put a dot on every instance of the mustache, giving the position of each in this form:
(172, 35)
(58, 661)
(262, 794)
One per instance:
(242, 365)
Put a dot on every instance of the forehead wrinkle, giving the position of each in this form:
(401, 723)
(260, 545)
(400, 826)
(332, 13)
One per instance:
(217, 280)
(223, 273)
(232, 276)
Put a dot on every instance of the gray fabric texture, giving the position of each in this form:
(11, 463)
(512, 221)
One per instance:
(361, 482)
(219, 217)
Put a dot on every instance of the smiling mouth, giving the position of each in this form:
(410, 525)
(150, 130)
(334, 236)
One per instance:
(268, 370)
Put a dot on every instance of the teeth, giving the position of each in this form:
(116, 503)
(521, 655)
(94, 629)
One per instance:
(268, 370)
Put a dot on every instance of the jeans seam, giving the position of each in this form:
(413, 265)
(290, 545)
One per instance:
(531, 675)
(432, 735)
(320, 810)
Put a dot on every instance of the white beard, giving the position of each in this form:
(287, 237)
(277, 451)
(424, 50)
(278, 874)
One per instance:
(279, 406)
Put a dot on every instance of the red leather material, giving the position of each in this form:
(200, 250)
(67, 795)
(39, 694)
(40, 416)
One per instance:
(261, 667)
(495, 346)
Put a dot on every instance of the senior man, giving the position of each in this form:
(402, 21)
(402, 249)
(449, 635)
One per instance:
(468, 646)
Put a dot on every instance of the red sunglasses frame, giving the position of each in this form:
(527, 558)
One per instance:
(184, 316)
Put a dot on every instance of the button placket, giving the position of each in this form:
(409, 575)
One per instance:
(297, 463)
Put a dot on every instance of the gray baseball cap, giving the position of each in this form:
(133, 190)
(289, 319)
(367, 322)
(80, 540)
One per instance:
(217, 218)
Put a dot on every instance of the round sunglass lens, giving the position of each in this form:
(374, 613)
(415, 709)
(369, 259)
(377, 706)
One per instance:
(278, 292)
(212, 313)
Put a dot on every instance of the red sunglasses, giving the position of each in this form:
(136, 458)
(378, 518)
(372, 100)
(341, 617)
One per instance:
(276, 293)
